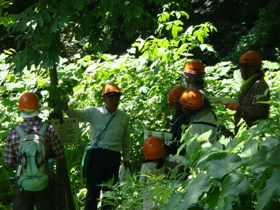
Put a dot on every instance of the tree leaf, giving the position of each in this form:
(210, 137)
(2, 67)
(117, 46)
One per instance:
(221, 167)
(196, 187)
(173, 201)
(233, 185)
(271, 190)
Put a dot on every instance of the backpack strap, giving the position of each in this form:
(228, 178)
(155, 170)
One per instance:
(204, 123)
(43, 128)
(19, 130)
(214, 114)
(98, 138)
(41, 132)
(207, 123)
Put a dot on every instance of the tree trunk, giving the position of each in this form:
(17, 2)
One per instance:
(64, 198)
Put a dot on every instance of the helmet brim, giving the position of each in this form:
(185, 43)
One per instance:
(29, 114)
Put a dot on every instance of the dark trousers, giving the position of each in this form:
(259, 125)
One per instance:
(104, 166)
(26, 200)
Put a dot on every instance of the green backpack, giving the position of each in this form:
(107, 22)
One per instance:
(32, 167)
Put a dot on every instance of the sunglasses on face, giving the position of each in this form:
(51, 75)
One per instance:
(113, 95)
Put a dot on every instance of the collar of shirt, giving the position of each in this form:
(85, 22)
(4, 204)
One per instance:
(32, 119)
(106, 112)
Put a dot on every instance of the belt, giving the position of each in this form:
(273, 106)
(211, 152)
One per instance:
(104, 150)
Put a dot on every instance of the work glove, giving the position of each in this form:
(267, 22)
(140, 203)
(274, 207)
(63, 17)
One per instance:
(232, 106)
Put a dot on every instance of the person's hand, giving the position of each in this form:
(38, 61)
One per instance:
(232, 106)
(127, 164)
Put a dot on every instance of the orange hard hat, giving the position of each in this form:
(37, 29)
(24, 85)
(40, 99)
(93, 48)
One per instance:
(192, 99)
(194, 67)
(111, 88)
(153, 148)
(251, 57)
(28, 102)
(174, 94)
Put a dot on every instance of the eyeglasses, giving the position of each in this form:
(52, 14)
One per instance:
(185, 75)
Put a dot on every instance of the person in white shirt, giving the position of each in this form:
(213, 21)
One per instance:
(110, 140)
(202, 119)
(153, 151)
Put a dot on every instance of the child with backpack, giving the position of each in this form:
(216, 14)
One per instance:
(153, 166)
(30, 149)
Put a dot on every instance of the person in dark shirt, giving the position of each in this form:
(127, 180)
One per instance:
(179, 120)
(254, 93)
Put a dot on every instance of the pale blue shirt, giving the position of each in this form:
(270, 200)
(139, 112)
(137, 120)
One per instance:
(203, 121)
(116, 135)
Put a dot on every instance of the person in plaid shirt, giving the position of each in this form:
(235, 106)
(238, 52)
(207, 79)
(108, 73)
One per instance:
(253, 93)
(29, 110)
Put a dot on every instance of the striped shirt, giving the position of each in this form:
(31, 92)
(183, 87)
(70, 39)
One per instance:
(32, 125)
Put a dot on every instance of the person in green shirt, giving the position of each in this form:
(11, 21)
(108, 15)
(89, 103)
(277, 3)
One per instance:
(110, 140)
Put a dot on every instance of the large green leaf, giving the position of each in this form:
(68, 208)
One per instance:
(250, 148)
(195, 189)
(173, 201)
(270, 192)
(266, 157)
(233, 185)
(221, 167)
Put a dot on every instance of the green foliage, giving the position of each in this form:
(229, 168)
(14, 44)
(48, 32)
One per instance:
(236, 173)
(5, 18)
(144, 81)
(264, 32)
(48, 30)
(38, 32)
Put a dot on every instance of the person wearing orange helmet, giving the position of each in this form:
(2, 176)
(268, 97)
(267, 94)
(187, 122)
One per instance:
(153, 166)
(109, 138)
(153, 148)
(29, 109)
(178, 122)
(254, 92)
(193, 74)
(202, 119)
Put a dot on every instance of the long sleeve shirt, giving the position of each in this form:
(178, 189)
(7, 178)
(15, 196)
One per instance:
(30, 125)
(250, 107)
(201, 122)
(115, 137)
